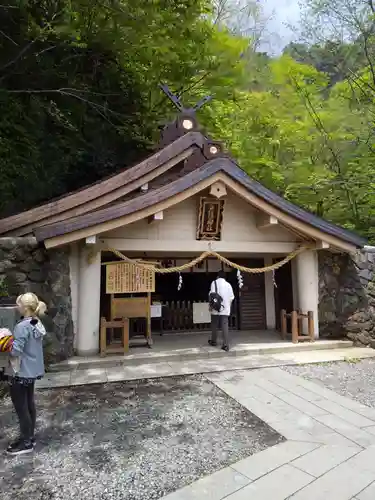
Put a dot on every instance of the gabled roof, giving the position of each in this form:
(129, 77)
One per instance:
(224, 166)
(103, 192)
(187, 163)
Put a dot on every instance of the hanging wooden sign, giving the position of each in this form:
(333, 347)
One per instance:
(210, 219)
(129, 278)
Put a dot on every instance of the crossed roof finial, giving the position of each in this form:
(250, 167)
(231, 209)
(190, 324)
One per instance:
(178, 103)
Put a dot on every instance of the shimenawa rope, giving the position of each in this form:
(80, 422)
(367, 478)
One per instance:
(204, 255)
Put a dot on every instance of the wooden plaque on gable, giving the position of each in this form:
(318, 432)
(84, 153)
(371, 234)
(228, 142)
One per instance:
(210, 219)
(128, 278)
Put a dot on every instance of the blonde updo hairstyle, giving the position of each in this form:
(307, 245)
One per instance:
(30, 305)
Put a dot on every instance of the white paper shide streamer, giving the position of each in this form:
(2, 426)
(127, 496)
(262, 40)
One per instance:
(274, 279)
(179, 286)
(239, 279)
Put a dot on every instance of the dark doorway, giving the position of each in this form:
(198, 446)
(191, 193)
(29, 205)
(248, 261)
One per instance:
(177, 305)
(252, 302)
(283, 291)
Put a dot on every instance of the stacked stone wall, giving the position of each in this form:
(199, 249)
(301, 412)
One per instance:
(25, 266)
(347, 296)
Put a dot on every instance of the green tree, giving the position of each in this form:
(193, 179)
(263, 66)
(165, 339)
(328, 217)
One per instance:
(307, 143)
(79, 95)
(337, 59)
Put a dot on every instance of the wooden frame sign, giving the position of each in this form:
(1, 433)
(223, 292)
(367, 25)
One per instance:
(129, 278)
(210, 219)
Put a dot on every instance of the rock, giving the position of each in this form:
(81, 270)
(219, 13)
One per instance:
(17, 277)
(40, 255)
(8, 244)
(330, 317)
(8, 317)
(363, 338)
(38, 289)
(352, 336)
(367, 274)
(38, 275)
(361, 316)
(353, 327)
(5, 265)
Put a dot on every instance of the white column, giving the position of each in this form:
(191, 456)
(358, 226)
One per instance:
(74, 287)
(270, 295)
(308, 285)
(89, 302)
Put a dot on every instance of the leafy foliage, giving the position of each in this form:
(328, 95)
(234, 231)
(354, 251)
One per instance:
(78, 87)
(337, 59)
(79, 97)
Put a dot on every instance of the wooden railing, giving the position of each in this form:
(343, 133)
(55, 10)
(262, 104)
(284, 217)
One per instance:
(296, 319)
(177, 316)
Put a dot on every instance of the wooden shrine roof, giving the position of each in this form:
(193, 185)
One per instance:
(222, 165)
(185, 163)
(101, 192)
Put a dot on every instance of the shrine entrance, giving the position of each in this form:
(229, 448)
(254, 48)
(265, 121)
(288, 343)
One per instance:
(179, 302)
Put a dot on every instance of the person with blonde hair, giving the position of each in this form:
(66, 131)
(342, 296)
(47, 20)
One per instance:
(27, 350)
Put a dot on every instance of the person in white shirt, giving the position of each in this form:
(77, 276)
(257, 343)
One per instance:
(221, 312)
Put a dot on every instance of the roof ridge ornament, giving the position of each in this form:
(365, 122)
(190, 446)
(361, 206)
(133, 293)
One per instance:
(176, 100)
(185, 121)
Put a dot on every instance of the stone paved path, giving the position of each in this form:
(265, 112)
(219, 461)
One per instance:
(330, 448)
(155, 369)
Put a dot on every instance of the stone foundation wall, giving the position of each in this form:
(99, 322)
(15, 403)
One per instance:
(347, 296)
(27, 267)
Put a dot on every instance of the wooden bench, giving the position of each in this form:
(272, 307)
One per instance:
(297, 318)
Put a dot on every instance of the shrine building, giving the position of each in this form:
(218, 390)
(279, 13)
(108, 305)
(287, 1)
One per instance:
(187, 198)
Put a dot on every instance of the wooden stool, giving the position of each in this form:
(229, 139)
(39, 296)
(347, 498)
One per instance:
(114, 348)
(133, 307)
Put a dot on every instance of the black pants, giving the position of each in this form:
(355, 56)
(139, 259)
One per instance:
(219, 321)
(23, 401)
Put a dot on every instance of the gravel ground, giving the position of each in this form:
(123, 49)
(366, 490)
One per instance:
(133, 440)
(355, 380)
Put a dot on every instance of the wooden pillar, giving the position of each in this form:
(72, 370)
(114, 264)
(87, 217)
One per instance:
(284, 324)
(294, 320)
(311, 325)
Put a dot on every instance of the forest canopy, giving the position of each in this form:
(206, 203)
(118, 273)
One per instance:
(79, 96)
